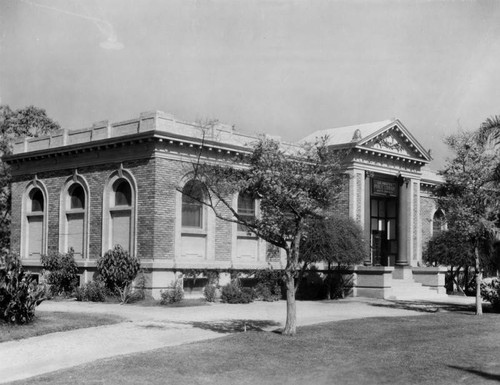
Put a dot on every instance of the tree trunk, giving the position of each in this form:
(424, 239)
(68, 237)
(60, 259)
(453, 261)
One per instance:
(479, 304)
(291, 310)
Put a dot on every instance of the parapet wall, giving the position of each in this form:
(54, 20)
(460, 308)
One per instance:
(148, 121)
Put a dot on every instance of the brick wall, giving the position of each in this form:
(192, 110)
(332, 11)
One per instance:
(427, 209)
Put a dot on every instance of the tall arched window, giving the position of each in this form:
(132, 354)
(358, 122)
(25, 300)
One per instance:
(121, 214)
(438, 223)
(193, 195)
(246, 209)
(74, 218)
(35, 227)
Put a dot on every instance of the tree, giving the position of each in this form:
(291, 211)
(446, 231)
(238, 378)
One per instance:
(118, 269)
(334, 239)
(450, 248)
(469, 197)
(29, 121)
(292, 188)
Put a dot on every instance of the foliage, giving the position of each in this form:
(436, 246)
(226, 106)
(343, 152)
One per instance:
(210, 292)
(490, 291)
(29, 121)
(19, 292)
(469, 196)
(268, 286)
(118, 269)
(174, 295)
(333, 240)
(292, 185)
(234, 293)
(93, 291)
(63, 272)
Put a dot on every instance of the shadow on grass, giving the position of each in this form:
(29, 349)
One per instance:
(235, 326)
(488, 376)
(426, 306)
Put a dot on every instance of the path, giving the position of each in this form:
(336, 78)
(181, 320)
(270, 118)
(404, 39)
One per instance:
(148, 328)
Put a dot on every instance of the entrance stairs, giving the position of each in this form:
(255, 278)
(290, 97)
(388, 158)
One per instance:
(409, 290)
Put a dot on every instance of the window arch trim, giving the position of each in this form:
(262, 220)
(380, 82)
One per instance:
(110, 209)
(28, 213)
(67, 211)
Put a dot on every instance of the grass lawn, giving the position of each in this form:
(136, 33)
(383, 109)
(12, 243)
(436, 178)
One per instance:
(51, 322)
(437, 348)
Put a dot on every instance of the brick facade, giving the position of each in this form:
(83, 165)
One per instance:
(159, 164)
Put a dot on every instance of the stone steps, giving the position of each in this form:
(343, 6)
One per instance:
(408, 289)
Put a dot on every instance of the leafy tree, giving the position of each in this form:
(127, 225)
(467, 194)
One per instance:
(19, 292)
(118, 269)
(28, 121)
(450, 248)
(292, 188)
(469, 197)
(333, 240)
(63, 272)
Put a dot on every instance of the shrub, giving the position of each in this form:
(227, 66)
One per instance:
(94, 291)
(233, 293)
(174, 295)
(118, 269)
(268, 286)
(210, 293)
(62, 272)
(19, 292)
(490, 291)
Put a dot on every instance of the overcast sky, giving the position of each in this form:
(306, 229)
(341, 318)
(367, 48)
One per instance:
(286, 68)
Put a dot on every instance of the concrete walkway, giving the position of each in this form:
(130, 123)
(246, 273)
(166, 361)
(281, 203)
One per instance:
(148, 328)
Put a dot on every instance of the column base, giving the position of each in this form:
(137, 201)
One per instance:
(402, 272)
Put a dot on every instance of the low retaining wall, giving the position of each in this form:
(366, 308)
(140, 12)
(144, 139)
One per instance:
(432, 277)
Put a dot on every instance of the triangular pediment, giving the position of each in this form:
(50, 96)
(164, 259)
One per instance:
(395, 139)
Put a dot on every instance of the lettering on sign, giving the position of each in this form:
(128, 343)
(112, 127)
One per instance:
(384, 187)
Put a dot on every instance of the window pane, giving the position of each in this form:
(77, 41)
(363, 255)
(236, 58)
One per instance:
(120, 229)
(192, 208)
(35, 235)
(123, 194)
(77, 197)
(374, 211)
(36, 200)
(391, 208)
(75, 233)
(381, 208)
(246, 209)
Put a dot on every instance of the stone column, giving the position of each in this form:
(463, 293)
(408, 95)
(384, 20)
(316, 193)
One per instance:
(404, 221)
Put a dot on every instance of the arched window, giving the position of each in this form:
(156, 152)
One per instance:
(121, 208)
(74, 219)
(438, 223)
(246, 209)
(35, 227)
(193, 195)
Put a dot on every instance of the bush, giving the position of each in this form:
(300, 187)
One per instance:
(19, 292)
(210, 293)
(490, 291)
(118, 269)
(233, 293)
(62, 272)
(94, 291)
(174, 295)
(268, 286)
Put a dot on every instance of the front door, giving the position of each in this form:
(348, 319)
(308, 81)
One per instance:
(383, 230)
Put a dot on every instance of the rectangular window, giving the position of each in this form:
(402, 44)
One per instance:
(120, 229)
(35, 235)
(75, 233)
(192, 215)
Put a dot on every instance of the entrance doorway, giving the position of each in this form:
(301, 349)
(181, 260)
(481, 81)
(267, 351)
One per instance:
(384, 230)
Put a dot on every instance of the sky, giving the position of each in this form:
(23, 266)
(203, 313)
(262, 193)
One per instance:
(285, 68)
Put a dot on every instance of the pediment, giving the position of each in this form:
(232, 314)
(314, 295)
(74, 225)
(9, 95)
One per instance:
(390, 143)
(395, 139)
